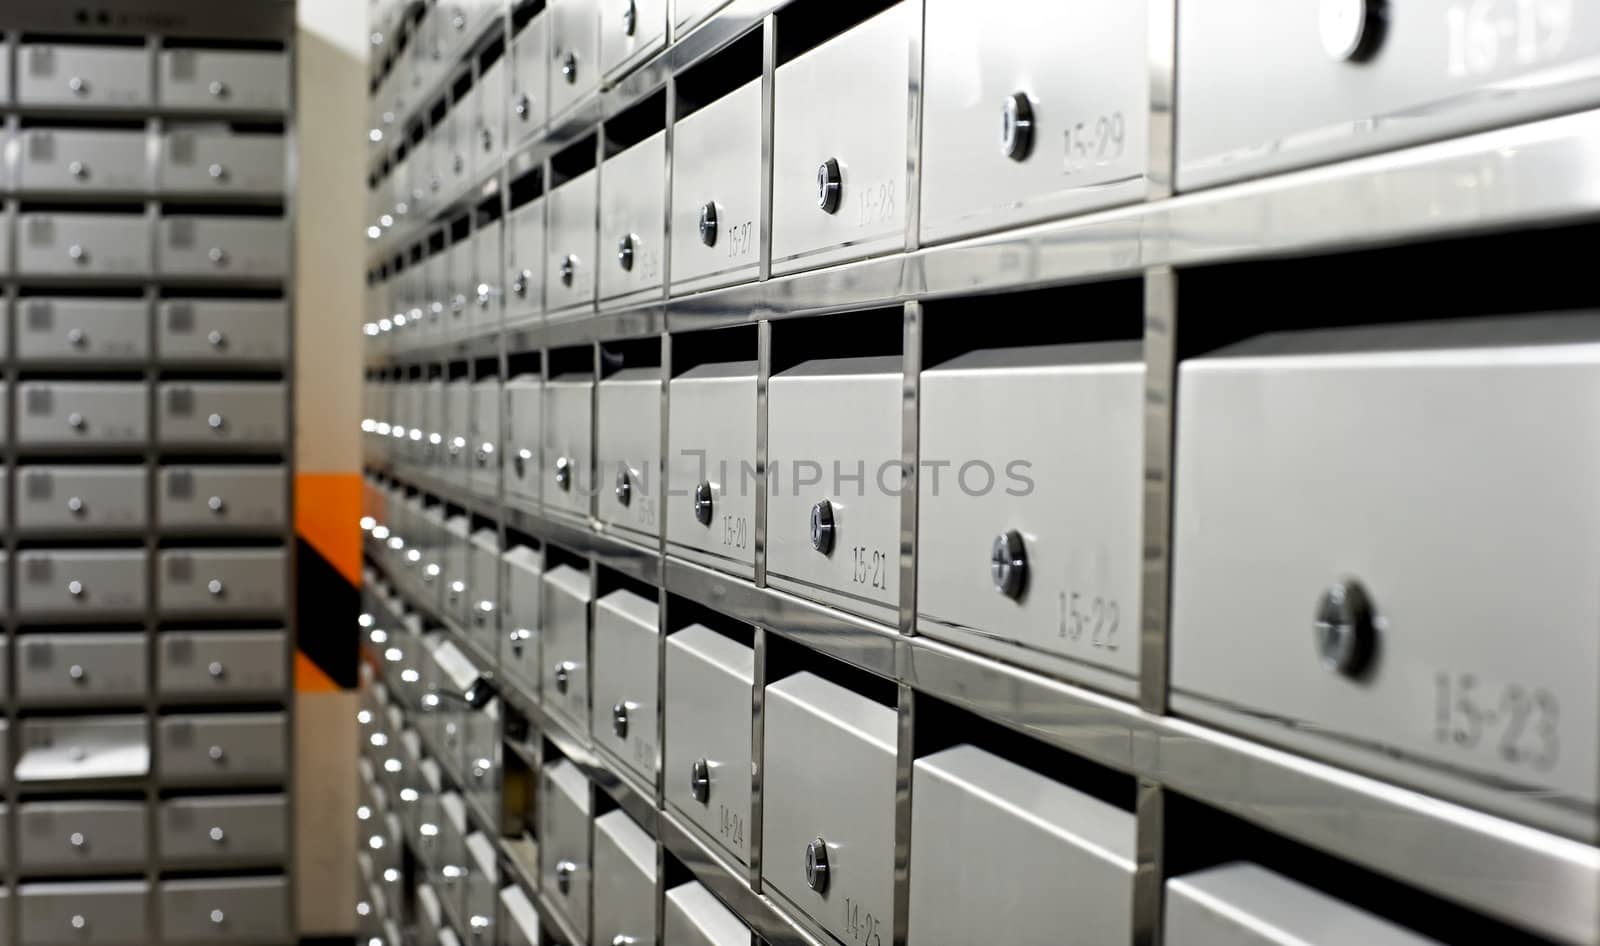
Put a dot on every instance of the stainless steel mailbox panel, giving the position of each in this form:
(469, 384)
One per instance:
(1241, 904)
(93, 913)
(707, 760)
(215, 160)
(78, 244)
(80, 837)
(564, 848)
(524, 281)
(1055, 433)
(988, 834)
(711, 449)
(1031, 111)
(569, 277)
(624, 880)
(717, 164)
(222, 498)
(82, 160)
(231, 415)
(839, 140)
(530, 78)
(216, 80)
(223, 748)
(81, 669)
(574, 52)
(224, 246)
(1401, 604)
(694, 917)
(96, 414)
(829, 800)
(568, 443)
(628, 474)
(524, 437)
(81, 500)
(628, 30)
(633, 218)
(565, 682)
(240, 666)
(223, 582)
(227, 831)
(226, 910)
(83, 747)
(485, 442)
(520, 621)
(69, 74)
(75, 331)
(80, 584)
(1269, 86)
(491, 101)
(833, 523)
(625, 664)
(222, 332)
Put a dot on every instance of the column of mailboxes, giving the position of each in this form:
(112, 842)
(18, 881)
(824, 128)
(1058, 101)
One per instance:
(147, 332)
(1313, 625)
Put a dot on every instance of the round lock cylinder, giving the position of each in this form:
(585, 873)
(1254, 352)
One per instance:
(1352, 30)
(624, 489)
(817, 865)
(830, 186)
(1346, 628)
(1016, 126)
(700, 780)
(1008, 564)
(78, 170)
(218, 89)
(619, 720)
(564, 473)
(218, 172)
(708, 223)
(702, 502)
(76, 506)
(569, 268)
(822, 527)
(78, 86)
(520, 284)
(563, 675)
(569, 68)
(625, 252)
(564, 872)
(630, 17)
(517, 638)
(524, 107)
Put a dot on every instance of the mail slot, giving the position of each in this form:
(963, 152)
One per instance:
(567, 593)
(219, 80)
(215, 160)
(1245, 904)
(81, 669)
(97, 414)
(227, 831)
(826, 838)
(83, 76)
(80, 837)
(223, 582)
(101, 913)
(710, 679)
(82, 331)
(564, 855)
(1029, 535)
(233, 415)
(256, 247)
(628, 477)
(81, 160)
(223, 748)
(80, 584)
(232, 499)
(241, 666)
(625, 664)
(81, 500)
(1379, 606)
(624, 880)
(222, 332)
(711, 453)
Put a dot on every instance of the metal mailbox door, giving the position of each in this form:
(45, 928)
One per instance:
(567, 594)
(223, 666)
(624, 880)
(570, 263)
(253, 247)
(222, 332)
(82, 669)
(716, 192)
(225, 910)
(206, 159)
(217, 80)
(230, 415)
(695, 917)
(575, 52)
(633, 214)
(711, 457)
(79, 244)
(223, 749)
(568, 444)
(629, 476)
(564, 855)
(80, 837)
(86, 414)
(91, 913)
(82, 331)
(76, 160)
(80, 584)
(524, 444)
(77, 75)
(625, 664)
(234, 499)
(1242, 904)
(81, 500)
(225, 831)
(519, 643)
(710, 679)
(209, 583)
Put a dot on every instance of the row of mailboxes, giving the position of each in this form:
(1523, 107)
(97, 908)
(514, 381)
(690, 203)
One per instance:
(119, 913)
(113, 668)
(452, 291)
(112, 499)
(133, 245)
(229, 832)
(111, 584)
(91, 76)
(60, 331)
(203, 416)
(196, 750)
(189, 161)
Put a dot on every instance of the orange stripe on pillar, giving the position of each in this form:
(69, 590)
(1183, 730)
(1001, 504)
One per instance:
(309, 678)
(326, 508)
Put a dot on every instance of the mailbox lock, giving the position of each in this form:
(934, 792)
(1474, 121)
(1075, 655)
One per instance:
(215, 754)
(77, 253)
(700, 780)
(216, 834)
(75, 505)
(817, 865)
(702, 502)
(217, 172)
(487, 137)
(76, 839)
(564, 473)
(78, 170)
(630, 18)
(214, 586)
(619, 720)
(216, 669)
(76, 672)
(520, 284)
(75, 420)
(1351, 30)
(1346, 628)
(564, 671)
(75, 588)
(76, 338)
(829, 186)
(518, 637)
(215, 421)
(822, 527)
(569, 68)
(569, 266)
(217, 339)
(564, 872)
(624, 487)
(1008, 563)
(217, 255)
(218, 89)
(458, 163)
(524, 107)
(625, 248)
(78, 921)
(80, 88)
(1016, 126)
(215, 504)
(218, 917)
(708, 223)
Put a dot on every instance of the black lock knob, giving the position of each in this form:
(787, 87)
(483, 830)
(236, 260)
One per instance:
(625, 253)
(700, 780)
(708, 223)
(822, 526)
(702, 502)
(1008, 563)
(624, 487)
(830, 186)
(1346, 628)
(817, 865)
(619, 720)
(1016, 126)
